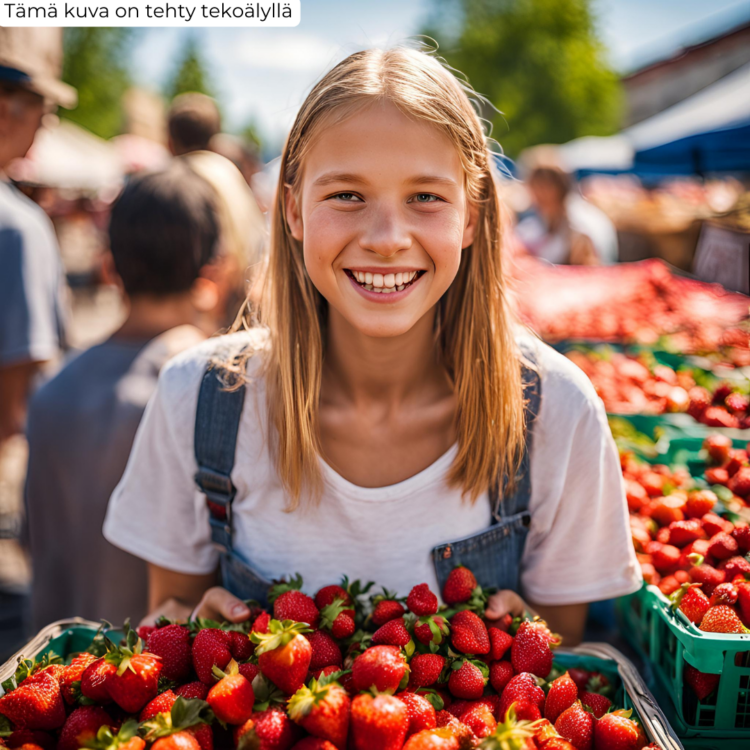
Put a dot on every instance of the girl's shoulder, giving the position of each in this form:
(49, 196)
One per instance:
(181, 377)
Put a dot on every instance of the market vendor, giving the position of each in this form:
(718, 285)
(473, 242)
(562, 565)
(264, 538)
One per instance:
(363, 429)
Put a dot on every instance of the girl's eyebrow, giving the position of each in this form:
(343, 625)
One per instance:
(329, 177)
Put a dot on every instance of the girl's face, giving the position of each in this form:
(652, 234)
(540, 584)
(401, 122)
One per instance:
(383, 216)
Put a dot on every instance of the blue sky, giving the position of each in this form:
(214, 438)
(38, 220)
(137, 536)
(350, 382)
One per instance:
(263, 74)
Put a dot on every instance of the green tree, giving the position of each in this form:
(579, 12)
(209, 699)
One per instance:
(96, 62)
(539, 62)
(191, 72)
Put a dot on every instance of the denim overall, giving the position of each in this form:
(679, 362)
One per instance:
(493, 555)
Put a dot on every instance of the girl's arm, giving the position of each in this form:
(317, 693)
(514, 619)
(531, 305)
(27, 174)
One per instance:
(568, 620)
(178, 595)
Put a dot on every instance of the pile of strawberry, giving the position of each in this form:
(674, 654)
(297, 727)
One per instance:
(727, 406)
(631, 384)
(334, 671)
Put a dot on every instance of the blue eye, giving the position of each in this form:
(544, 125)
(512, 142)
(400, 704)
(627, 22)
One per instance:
(346, 197)
(426, 198)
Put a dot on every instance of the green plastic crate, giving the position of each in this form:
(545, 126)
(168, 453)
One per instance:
(688, 451)
(674, 641)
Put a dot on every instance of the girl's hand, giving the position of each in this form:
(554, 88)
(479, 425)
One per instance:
(503, 603)
(218, 604)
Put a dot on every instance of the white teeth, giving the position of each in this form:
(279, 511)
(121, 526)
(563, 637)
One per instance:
(368, 287)
(368, 278)
(360, 277)
(400, 287)
(377, 279)
(389, 280)
(399, 279)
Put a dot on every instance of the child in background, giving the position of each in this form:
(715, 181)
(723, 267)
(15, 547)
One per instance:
(388, 419)
(163, 234)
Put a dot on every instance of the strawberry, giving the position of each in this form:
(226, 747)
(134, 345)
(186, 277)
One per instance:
(162, 704)
(336, 617)
(737, 403)
(708, 576)
(501, 673)
(722, 546)
(271, 729)
(741, 534)
(581, 678)
(420, 711)
(329, 594)
(718, 416)
(94, 681)
(522, 688)
(717, 475)
(232, 697)
(322, 709)
(284, 654)
(210, 649)
(724, 593)
(576, 725)
(72, 674)
(735, 566)
(21, 737)
(36, 703)
(381, 667)
(443, 738)
(172, 643)
(743, 596)
(617, 731)
(479, 719)
(136, 679)
(425, 670)
(385, 610)
(313, 743)
(325, 651)
(431, 629)
(126, 738)
(81, 726)
(682, 533)
(421, 601)
(666, 558)
(459, 586)
(500, 642)
(185, 717)
(393, 633)
(737, 459)
(467, 679)
(177, 741)
(722, 619)
(721, 392)
(240, 646)
(260, 624)
(700, 400)
(703, 684)
(194, 689)
(468, 633)
(531, 650)
(378, 723)
(562, 694)
(289, 603)
(699, 503)
(691, 601)
(598, 703)
(740, 482)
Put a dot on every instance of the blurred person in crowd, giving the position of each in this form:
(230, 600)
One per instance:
(240, 152)
(31, 273)
(192, 122)
(564, 228)
(163, 236)
(242, 235)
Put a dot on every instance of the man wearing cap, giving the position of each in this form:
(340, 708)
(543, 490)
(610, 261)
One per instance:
(31, 276)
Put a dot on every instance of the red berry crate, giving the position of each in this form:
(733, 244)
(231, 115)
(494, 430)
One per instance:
(674, 641)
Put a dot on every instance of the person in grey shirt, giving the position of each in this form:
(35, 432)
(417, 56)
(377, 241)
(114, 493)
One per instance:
(163, 237)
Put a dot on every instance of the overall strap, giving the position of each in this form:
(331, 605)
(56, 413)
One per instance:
(217, 422)
(503, 505)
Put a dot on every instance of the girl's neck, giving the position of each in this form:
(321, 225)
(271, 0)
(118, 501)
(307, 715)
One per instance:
(363, 369)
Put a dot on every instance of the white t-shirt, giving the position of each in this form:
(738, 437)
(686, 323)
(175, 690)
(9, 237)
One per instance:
(578, 548)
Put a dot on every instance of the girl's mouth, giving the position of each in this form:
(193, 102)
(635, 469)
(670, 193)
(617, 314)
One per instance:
(387, 283)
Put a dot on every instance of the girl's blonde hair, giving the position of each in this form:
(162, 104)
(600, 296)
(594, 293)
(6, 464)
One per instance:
(474, 325)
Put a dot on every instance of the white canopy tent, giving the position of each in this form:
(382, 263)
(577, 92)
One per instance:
(724, 104)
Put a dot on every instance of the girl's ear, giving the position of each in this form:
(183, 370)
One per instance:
(293, 215)
(472, 218)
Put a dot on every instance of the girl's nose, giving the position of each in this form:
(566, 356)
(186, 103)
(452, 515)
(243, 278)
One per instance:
(386, 233)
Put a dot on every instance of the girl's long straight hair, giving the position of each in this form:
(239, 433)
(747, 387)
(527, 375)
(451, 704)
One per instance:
(475, 327)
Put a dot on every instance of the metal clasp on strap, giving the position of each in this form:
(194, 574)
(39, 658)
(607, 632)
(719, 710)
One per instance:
(218, 488)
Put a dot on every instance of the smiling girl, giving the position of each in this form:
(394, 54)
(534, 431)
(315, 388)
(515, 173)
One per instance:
(388, 419)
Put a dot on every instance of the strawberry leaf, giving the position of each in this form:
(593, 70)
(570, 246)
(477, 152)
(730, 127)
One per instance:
(5, 729)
